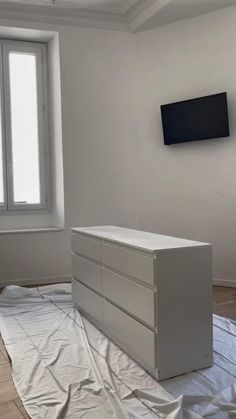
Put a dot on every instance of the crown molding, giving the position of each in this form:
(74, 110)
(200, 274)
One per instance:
(140, 14)
(133, 17)
(129, 4)
(80, 17)
(73, 4)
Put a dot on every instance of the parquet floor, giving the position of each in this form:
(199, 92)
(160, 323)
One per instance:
(224, 304)
(10, 403)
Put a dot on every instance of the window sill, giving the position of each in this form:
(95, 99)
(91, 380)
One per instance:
(32, 230)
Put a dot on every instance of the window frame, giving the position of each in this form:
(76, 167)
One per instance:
(40, 52)
(3, 207)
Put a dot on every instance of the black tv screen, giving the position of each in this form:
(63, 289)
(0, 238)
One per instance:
(196, 119)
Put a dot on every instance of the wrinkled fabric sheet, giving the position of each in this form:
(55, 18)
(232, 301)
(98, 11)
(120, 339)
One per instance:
(64, 367)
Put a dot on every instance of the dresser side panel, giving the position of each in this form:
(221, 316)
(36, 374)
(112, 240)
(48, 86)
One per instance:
(184, 310)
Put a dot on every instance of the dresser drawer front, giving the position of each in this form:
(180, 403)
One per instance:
(135, 298)
(87, 272)
(138, 339)
(136, 264)
(92, 248)
(87, 300)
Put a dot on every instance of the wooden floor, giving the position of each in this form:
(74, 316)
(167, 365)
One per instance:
(10, 403)
(224, 304)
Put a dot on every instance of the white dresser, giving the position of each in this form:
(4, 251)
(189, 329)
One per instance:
(151, 294)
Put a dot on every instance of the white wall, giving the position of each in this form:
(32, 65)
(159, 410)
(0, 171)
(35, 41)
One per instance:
(116, 168)
(189, 190)
(99, 142)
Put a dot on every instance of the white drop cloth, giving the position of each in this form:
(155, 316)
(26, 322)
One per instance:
(63, 367)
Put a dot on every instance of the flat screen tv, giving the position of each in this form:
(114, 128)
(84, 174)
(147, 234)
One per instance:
(196, 119)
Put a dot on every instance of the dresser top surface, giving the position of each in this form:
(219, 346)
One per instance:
(140, 239)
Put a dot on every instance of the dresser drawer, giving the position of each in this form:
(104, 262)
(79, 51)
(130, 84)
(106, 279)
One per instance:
(87, 300)
(137, 339)
(87, 272)
(87, 246)
(135, 298)
(136, 264)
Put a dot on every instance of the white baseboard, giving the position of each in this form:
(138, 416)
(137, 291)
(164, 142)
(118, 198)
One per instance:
(59, 279)
(224, 283)
(36, 281)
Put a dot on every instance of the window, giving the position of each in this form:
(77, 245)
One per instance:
(24, 182)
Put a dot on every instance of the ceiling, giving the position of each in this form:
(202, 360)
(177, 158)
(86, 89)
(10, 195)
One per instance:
(129, 15)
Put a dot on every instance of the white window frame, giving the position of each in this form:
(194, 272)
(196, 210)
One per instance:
(40, 51)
